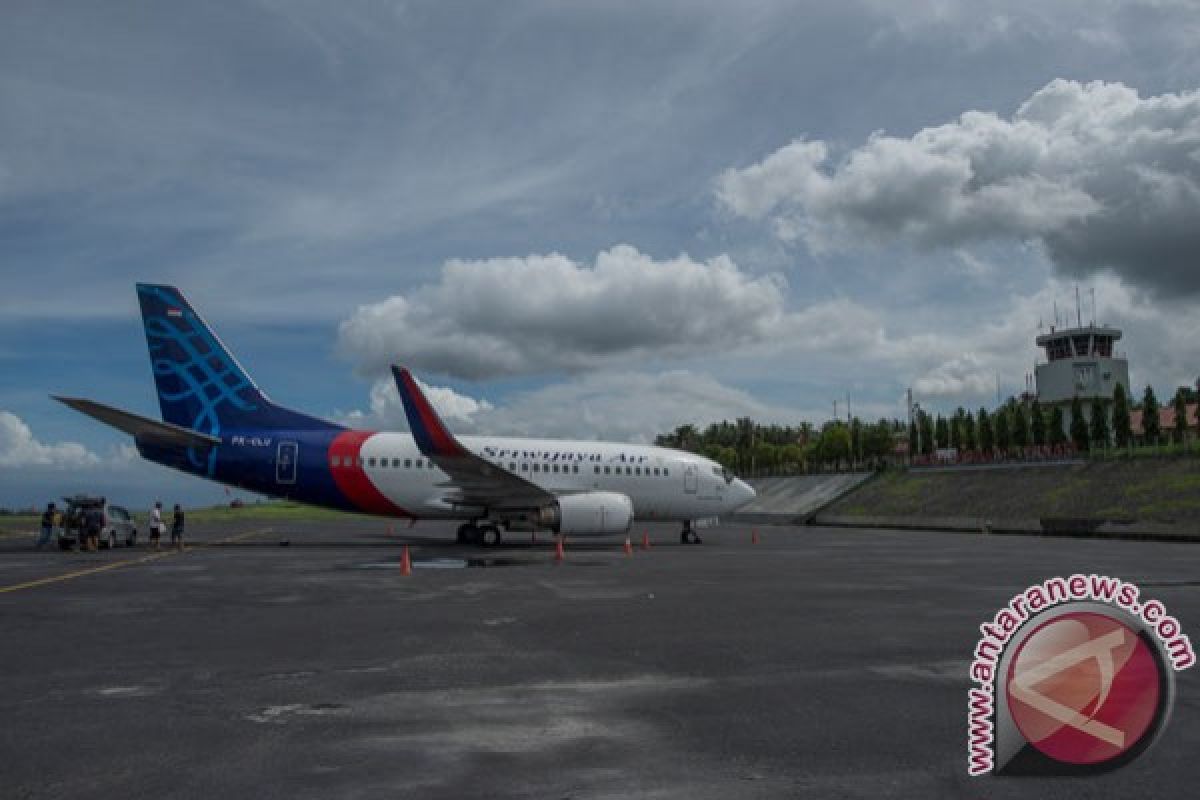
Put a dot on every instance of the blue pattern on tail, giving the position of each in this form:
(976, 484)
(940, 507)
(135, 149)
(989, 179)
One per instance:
(200, 384)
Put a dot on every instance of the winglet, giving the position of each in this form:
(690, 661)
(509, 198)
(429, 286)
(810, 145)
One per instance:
(433, 438)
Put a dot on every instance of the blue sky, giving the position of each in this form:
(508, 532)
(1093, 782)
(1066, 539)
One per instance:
(594, 218)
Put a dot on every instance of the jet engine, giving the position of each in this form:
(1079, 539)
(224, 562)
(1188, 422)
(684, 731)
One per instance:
(588, 513)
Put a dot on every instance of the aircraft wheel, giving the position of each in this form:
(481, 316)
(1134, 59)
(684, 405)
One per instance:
(467, 533)
(489, 536)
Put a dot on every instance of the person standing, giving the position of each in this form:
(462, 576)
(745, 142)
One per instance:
(93, 521)
(177, 527)
(156, 524)
(48, 518)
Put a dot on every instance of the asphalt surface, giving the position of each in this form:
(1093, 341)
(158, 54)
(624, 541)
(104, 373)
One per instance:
(824, 663)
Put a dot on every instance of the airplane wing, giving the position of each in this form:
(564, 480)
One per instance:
(141, 428)
(473, 479)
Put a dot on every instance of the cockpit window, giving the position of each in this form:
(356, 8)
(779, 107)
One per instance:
(721, 472)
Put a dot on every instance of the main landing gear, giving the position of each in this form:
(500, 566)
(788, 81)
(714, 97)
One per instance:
(487, 534)
(689, 535)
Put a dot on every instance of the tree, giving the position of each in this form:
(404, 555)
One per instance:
(1056, 435)
(1037, 423)
(856, 439)
(941, 432)
(1099, 431)
(1002, 431)
(834, 444)
(986, 440)
(1020, 426)
(1150, 424)
(1180, 406)
(926, 423)
(968, 428)
(1079, 428)
(1120, 417)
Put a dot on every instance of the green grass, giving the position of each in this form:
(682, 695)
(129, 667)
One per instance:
(254, 512)
(1165, 489)
(262, 512)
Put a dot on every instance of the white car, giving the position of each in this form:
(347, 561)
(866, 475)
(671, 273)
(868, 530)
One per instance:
(118, 526)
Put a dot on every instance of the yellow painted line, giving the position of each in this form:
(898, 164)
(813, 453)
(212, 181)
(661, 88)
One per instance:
(18, 535)
(16, 587)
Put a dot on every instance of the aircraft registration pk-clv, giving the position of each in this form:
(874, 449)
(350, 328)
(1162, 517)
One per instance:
(219, 425)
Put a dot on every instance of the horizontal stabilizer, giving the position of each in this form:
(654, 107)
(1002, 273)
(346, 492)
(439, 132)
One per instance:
(141, 428)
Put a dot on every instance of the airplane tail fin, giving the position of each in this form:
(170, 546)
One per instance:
(201, 386)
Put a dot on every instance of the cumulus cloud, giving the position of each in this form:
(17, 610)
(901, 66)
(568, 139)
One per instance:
(1100, 176)
(19, 448)
(964, 375)
(387, 410)
(619, 406)
(546, 313)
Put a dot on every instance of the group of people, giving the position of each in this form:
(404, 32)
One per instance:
(157, 526)
(89, 521)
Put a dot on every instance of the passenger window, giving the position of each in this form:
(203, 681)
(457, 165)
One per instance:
(637, 471)
(512, 466)
(576, 469)
(370, 462)
(597, 470)
(419, 463)
(665, 473)
(335, 461)
(629, 470)
(606, 469)
(524, 468)
(408, 463)
(395, 463)
(537, 467)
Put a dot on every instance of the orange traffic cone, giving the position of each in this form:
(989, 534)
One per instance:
(754, 536)
(406, 563)
(645, 541)
(628, 547)
(559, 555)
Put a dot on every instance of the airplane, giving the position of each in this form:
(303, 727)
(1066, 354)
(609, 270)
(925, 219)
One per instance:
(217, 424)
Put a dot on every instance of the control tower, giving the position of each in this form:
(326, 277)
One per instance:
(1080, 362)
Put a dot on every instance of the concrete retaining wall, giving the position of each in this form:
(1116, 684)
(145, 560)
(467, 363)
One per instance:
(793, 500)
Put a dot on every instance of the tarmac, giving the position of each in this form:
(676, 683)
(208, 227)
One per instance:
(297, 662)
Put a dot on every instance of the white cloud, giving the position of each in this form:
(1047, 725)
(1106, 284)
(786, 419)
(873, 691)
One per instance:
(964, 375)
(387, 410)
(19, 448)
(619, 406)
(546, 313)
(1100, 176)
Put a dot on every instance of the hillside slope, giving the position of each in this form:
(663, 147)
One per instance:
(1156, 490)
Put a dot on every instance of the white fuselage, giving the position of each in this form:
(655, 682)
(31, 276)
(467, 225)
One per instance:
(662, 483)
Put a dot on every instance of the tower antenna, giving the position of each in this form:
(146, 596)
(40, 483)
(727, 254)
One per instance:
(1078, 313)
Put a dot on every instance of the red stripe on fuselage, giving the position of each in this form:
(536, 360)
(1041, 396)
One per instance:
(352, 480)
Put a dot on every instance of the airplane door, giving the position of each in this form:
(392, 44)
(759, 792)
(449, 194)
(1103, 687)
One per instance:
(689, 479)
(285, 462)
